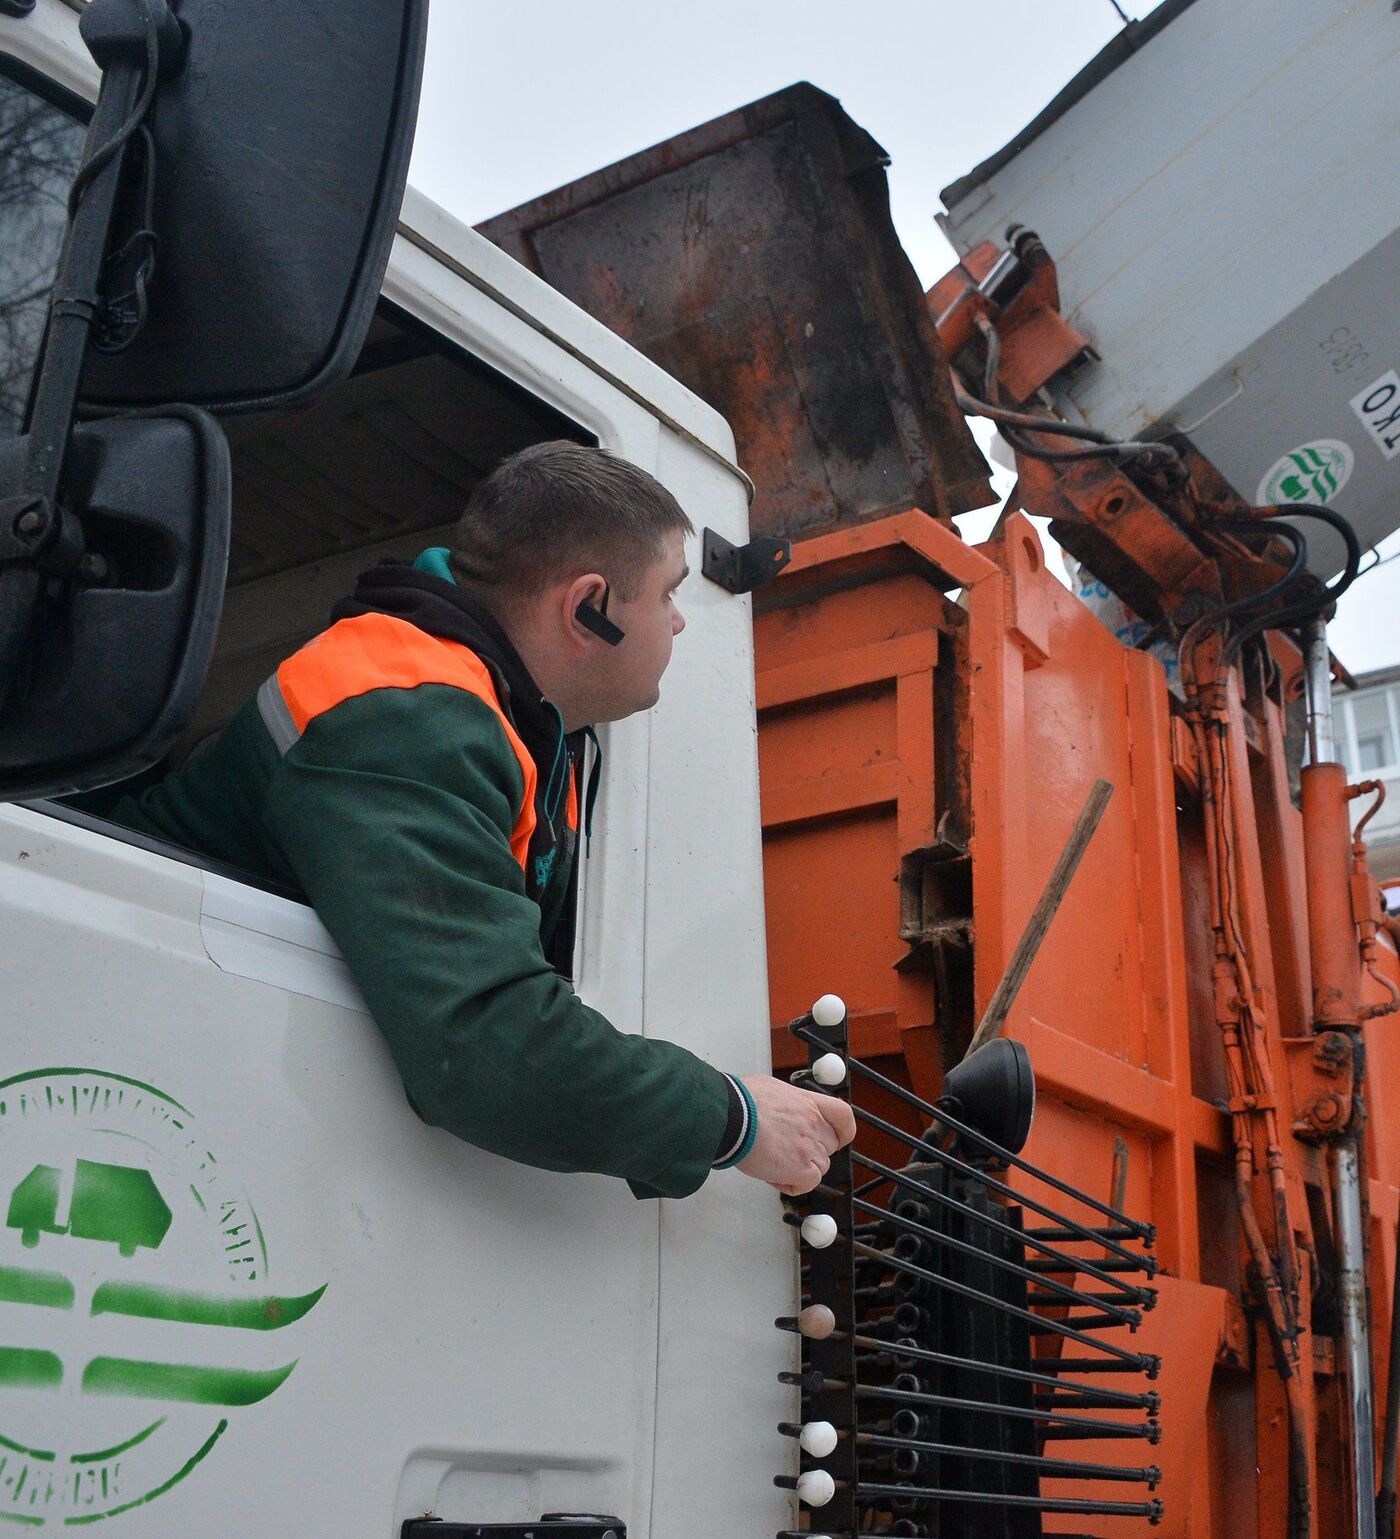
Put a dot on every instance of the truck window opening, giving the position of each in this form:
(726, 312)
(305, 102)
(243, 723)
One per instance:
(378, 469)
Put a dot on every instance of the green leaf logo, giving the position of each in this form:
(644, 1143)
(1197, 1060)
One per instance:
(1314, 472)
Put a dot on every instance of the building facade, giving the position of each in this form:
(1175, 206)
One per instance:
(1367, 721)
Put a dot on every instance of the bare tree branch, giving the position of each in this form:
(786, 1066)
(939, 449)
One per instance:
(40, 147)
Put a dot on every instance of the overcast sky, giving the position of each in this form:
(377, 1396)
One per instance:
(521, 98)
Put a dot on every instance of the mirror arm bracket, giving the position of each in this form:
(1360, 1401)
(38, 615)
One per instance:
(118, 35)
(27, 522)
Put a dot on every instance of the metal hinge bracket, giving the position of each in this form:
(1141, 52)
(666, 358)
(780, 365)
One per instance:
(742, 568)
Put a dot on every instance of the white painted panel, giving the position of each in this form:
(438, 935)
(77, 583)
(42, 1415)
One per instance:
(728, 1263)
(254, 934)
(486, 1341)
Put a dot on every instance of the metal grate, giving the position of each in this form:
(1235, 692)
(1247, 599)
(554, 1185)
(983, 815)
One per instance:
(963, 1316)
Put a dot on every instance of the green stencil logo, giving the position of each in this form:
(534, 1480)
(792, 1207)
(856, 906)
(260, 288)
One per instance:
(136, 1316)
(1313, 472)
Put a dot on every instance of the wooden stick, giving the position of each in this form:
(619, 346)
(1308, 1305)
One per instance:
(1045, 910)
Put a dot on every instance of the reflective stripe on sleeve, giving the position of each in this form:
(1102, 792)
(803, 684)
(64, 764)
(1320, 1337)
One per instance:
(378, 651)
(276, 717)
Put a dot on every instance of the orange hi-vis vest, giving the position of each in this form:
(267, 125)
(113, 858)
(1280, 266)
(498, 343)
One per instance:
(378, 651)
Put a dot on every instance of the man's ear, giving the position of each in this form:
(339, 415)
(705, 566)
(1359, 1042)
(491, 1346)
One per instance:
(586, 605)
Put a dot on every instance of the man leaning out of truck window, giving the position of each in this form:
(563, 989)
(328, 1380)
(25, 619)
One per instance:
(415, 771)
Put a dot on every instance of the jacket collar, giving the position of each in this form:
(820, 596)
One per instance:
(435, 604)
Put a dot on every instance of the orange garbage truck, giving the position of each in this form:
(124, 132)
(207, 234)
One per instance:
(1117, 856)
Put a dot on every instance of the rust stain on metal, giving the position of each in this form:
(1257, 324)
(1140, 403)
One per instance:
(754, 258)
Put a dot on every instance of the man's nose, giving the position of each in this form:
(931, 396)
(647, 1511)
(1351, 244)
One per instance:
(677, 623)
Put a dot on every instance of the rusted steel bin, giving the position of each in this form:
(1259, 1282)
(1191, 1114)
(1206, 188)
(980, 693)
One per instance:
(754, 258)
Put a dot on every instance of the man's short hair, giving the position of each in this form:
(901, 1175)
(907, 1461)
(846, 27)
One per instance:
(557, 509)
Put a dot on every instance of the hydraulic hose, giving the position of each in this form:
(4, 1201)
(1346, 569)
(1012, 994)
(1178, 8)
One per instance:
(1390, 1438)
(1275, 590)
(1308, 608)
(1246, 1061)
(1009, 420)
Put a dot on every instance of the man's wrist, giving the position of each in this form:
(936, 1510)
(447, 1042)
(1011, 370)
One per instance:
(740, 1127)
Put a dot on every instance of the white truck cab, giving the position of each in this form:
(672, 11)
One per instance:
(243, 1289)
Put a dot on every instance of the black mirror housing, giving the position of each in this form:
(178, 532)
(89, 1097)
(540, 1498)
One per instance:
(242, 178)
(115, 660)
(281, 153)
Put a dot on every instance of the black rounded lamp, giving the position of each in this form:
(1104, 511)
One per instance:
(993, 1091)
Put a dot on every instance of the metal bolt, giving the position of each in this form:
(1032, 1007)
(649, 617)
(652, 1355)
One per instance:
(30, 523)
(1191, 608)
(1332, 1054)
(1325, 1111)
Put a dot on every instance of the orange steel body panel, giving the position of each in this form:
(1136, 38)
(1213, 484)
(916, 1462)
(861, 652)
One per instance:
(931, 719)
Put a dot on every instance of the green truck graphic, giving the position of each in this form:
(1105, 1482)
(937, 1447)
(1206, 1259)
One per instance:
(119, 1204)
(199, 1262)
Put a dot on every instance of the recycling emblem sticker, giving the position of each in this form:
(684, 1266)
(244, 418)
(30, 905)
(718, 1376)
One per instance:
(136, 1313)
(1313, 472)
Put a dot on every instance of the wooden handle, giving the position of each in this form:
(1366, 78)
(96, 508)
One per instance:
(1045, 910)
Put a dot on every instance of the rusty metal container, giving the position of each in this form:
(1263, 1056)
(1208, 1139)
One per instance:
(754, 258)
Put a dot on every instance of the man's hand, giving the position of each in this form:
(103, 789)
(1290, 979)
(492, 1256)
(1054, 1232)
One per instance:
(798, 1132)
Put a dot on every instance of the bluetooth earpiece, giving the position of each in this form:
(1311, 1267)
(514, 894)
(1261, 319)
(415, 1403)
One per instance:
(596, 620)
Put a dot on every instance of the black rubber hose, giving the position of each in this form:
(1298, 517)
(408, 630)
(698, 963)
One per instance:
(1097, 443)
(1022, 445)
(1008, 419)
(1343, 527)
(1006, 416)
(1330, 594)
(1295, 568)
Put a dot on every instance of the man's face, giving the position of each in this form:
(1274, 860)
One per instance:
(629, 675)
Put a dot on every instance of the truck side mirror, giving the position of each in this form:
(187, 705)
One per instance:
(116, 654)
(230, 226)
(281, 153)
